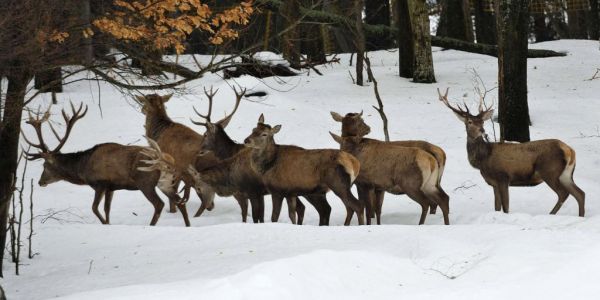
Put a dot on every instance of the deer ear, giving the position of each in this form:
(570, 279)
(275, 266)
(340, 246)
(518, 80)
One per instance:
(487, 115)
(336, 138)
(460, 117)
(261, 119)
(166, 98)
(337, 117)
(276, 129)
(140, 99)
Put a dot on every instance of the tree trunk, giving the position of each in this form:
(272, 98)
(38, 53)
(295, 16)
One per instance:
(290, 12)
(577, 24)
(594, 20)
(312, 43)
(513, 24)
(359, 40)
(405, 40)
(540, 29)
(423, 62)
(378, 12)
(49, 81)
(455, 20)
(9, 146)
(485, 23)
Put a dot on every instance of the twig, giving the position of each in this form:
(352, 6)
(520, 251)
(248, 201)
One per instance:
(477, 81)
(595, 76)
(584, 136)
(465, 186)
(30, 238)
(351, 77)
(90, 267)
(378, 97)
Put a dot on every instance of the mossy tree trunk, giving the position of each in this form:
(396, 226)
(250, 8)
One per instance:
(423, 62)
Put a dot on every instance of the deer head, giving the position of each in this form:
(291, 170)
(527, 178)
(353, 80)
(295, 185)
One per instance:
(215, 136)
(262, 135)
(352, 124)
(473, 123)
(52, 170)
(153, 103)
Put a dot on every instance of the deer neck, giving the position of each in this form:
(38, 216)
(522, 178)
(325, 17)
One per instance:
(228, 148)
(263, 159)
(217, 176)
(72, 166)
(478, 150)
(156, 122)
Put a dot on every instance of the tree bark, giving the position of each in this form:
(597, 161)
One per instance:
(485, 23)
(312, 43)
(9, 146)
(378, 12)
(577, 24)
(423, 62)
(290, 12)
(359, 40)
(49, 81)
(513, 24)
(594, 20)
(455, 20)
(405, 40)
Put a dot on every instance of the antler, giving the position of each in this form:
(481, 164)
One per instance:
(70, 122)
(457, 110)
(483, 108)
(238, 99)
(36, 123)
(158, 160)
(210, 95)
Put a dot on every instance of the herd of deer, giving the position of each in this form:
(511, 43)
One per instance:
(214, 163)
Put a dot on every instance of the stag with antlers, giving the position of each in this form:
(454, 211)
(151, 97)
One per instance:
(105, 167)
(247, 182)
(177, 140)
(509, 164)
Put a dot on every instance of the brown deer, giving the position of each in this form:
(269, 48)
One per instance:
(525, 164)
(354, 125)
(105, 168)
(397, 170)
(292, 171)
(249, 182)
(177, 140)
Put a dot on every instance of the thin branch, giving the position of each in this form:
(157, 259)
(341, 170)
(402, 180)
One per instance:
(379, 109)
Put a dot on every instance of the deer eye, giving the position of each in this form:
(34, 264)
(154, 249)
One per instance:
(264, 134)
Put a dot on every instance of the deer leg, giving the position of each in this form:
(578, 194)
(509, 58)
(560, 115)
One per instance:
(560, 191)
(574, 190)
(151, 195)
(243, 202)
(351, 203)
(319, 201)
(504, 196)
(378, 204)
(300, 209)
(184, 213)
(442, 199)
(107, 202)
(277, 203)
(291, 202)
(419, 197)
(258, 208)
(97, 198)
(365, 194)
(497, 199)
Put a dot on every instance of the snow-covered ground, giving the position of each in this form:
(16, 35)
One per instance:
(482, 255)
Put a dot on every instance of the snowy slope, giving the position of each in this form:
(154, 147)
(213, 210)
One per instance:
(484, 254)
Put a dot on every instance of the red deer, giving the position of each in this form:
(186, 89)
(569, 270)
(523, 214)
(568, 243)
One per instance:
(292, 171)
(177, 140)
(397, 170)
(525, 164)
(248, 182)
(105, 168)
(354, 125)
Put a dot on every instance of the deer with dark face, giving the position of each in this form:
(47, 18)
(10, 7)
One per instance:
(248, 182)
(353, 125)
(397, 170)
(105, 168)
(292, 171)
(525, 164)
(177, 140)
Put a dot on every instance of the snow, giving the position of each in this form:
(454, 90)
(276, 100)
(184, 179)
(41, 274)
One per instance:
(483, 254)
